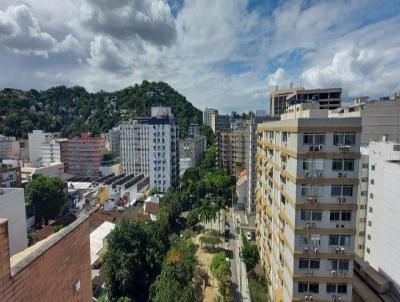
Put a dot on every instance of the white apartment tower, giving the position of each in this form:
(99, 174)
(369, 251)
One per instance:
(134, 146)
(207, 115)
(163, 149)
(51, 151)
(306, 204)
(382, 247)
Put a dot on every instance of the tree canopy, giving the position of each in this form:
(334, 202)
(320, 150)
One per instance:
(47, 196)
(74, 110)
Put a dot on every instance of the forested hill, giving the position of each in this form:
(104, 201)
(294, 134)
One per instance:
(74, 110)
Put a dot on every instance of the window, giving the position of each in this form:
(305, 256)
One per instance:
(302, 287)
(336, 190)
(373, 167)
(339, 240)
(313, 288)
(365, 166)
(371, 195)
(364, 179)
(315, 239)
(320, 138)
(331, 288)
(364, 193)
(362, 206)
(346, 138)
(333, 239)
(346, 216)
(307, 164)
(305, 190)
(284, 137)
(347, 190)
(305, 215)
(308, 138)
(337, 165)
(314, 263)
(303, 263)
(372, 181)
(316, 216)
(335, 216)
(349, 165)
(344, 265)
(369, 223)
(370, 209)
(368, 251)
(369, 237)
(342, 288)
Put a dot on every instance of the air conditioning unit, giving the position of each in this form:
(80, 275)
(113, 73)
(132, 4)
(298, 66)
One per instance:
(311, 149)
(320, 147)
(340, 175)
(306, 250)
(316, 250)
(334, 299)
(333, 273)
(339, 200)
(343, 200)
(310, 298)
(307, 174)
(320, 174)
(339, 298)
(342, 226)
(306, 298)
(337, 225)
(344, 175)
(344, 148)
(337, 250)
(342, 250)
(313, 225)
(308, 225)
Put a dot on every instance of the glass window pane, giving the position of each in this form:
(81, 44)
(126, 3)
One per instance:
(320, 139)
(336, 190)
(331, 288)
(303, 263)
(308, 138)
(349, 164)
(350, 139)
(313, 288)
(337, 164)
(342, 288)
(347, 190)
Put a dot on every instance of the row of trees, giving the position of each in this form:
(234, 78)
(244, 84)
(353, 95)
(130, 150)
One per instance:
(221, 271)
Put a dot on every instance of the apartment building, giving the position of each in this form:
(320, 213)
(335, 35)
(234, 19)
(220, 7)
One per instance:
(9, 147)
(329, 98)
(84, 155)
(207, 113)
(35, 141)
(220, 122)
(134, 148)
(306, 200)
(163, 149)
(233, 150)
(378, 118)
(193, 130)
(382, 222)
(193, 148)
(113, 140)
(51, 151)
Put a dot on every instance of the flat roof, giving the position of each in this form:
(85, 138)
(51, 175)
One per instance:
(97, 239)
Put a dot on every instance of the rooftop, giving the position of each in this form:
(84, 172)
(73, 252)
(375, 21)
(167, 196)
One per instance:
(97, 240)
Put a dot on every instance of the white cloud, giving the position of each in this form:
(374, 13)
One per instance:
(276, 78)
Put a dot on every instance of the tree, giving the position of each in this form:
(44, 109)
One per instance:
(218, 203)
(133, 259)
(192, 218)
(249, 255)
(47, 196)
(220, 269)
(209, 158)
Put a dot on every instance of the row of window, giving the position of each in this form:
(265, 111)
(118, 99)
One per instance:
(308, 287)
(335, 264)
(337, 164)
(339, 138)
(336, 240)
(333, 215)
(336, 190)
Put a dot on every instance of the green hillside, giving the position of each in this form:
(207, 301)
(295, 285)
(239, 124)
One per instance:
(74, 110)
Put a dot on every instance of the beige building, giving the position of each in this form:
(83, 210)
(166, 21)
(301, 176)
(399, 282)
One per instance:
(306, 204)
(233, 150)
(329, 98)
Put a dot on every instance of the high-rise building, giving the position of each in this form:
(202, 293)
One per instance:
(113, 140)
(134, 148)
(382, 222)
(220, 122)
(329, 98)
(84, 155)
(163, 149)
(306, 200)
(191, 152)
(207, 113)
(35, 141)
(9, 147)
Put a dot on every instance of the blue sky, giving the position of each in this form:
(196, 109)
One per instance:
(225, 54)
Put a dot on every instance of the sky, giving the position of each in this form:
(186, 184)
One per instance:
(226, 54)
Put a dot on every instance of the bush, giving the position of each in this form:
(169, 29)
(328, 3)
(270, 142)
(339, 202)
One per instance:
(258, 291)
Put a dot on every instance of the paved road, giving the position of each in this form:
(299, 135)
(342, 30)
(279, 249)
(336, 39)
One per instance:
(239, 284)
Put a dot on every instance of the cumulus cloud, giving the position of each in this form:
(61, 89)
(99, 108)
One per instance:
(276, 78)
(149, 20)
(20, 31)
(358, 71)
(105, 54)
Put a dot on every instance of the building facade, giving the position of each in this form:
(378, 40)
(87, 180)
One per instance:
(134, 148)
(329, 98)
(12, 207)
(9, 147)
(163, 149)
(220, 122)
(193, 130)
(84, 155)
(233, 150)
(10, 176)
(207, 113)
(51, 152)
(382, 225)
(35, 141)
(193, 148)
(306, 200)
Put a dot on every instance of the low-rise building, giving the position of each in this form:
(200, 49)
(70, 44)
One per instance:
(113, 140)
(10, 176)
(9, 148)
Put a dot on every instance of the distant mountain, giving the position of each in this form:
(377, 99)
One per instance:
(74, 110)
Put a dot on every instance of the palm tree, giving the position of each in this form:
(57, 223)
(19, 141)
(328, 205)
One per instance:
(219, 204)
(205, 211)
